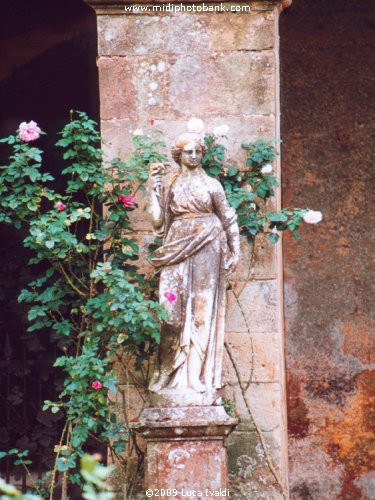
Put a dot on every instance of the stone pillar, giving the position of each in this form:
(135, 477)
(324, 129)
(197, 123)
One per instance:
(222, 67)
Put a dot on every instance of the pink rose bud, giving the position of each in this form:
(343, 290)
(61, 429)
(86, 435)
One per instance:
(127, 201)
(96, 385)
(152, 122)
(60, 205)
(170, 296)
(29, 131)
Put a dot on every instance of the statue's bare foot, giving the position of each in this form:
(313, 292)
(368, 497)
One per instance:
(197, 386)
(160, 383)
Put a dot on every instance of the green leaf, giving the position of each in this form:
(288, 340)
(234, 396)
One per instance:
(62, 464)
(276, 217)
(273, 237)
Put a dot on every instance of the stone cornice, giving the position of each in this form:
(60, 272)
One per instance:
(108, 7)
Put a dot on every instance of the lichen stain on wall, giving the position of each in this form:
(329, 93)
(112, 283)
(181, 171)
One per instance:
(330, 322)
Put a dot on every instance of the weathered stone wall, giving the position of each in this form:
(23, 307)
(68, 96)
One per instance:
(327, 87)
(222, 68)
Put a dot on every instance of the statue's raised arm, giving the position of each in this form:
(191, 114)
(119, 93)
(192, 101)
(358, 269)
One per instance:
(156, 191)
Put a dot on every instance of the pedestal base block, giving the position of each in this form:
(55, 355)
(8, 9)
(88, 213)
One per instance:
(186, 456)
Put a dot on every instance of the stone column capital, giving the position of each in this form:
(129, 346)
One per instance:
(116, 7)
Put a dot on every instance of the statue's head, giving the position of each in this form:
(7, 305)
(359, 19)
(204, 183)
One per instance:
(189, 150)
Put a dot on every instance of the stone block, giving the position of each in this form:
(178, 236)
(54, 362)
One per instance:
(153, 76)
(128, 401)
(256, 357)
(128, 373)
(181, 34)
(238, 83)
(117, 134)
(264, 402)
(240, 443)
(234, 394)
(249, 473)
(118, 98)
(254, 307)
(257, 261)
(139, 218)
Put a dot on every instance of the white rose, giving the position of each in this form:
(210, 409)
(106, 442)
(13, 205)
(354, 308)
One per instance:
(267, 169)
(195, 125)
(137, 132)
(221, 130)
(313, 217)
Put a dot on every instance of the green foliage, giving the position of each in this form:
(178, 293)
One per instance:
(229, 407)
(95, 476)
(20, 458)
(9, 492)
(18, 455)
(249, 189)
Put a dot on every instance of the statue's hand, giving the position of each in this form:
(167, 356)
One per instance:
(231, 263)
(156, 172)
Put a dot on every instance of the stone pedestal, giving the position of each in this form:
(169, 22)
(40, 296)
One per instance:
(185, 450)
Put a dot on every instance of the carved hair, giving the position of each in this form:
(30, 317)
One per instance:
(177, 149)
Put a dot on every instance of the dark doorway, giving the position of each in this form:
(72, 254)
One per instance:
(48, 66)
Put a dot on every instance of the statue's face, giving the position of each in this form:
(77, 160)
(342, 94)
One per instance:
(191, 155)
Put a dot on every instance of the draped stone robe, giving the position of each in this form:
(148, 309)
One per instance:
(197, 222)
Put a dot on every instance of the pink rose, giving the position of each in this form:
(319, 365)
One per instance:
(60, 206)
(29, 131)
(170, 296)
(96, 385)
(152, 122)
(127, 201)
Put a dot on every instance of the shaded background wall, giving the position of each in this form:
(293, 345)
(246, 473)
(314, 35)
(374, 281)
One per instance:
(327, 124)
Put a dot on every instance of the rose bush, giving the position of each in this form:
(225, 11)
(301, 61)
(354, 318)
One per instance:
(90, 288)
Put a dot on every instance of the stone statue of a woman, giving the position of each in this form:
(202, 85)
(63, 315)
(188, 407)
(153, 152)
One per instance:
(200, 247)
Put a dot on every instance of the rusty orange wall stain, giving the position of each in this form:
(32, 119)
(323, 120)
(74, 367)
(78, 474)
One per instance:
(359, 338)
(354, 435)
